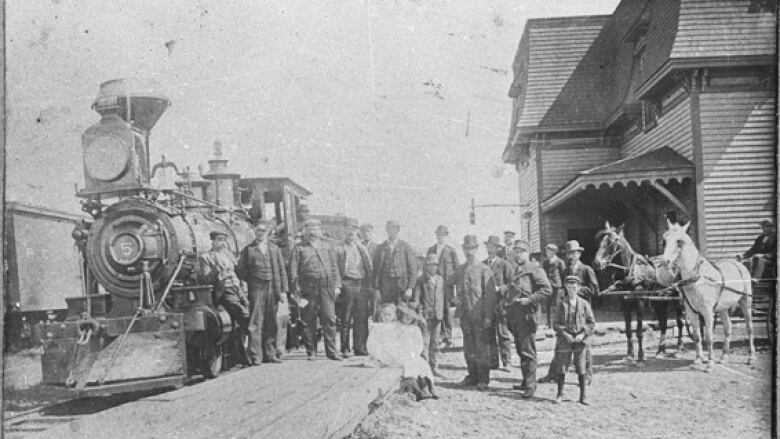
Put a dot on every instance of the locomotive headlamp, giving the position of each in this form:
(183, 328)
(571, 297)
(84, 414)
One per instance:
(106, 158)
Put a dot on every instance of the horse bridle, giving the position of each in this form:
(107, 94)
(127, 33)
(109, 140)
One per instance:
(615, 254)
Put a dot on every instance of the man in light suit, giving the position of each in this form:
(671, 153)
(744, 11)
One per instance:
(356, 274)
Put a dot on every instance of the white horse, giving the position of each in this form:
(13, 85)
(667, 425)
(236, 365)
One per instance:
(709, 288)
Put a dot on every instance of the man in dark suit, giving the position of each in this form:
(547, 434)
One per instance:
(356, 269)
(367, 239)
(217, 268)
(553, 267)
(589, 284)
(529, 289)
(314, 275)
(448, 265)
(476, 303)
(763, 252)
(500, 337)
(395, 267)
(261, 266)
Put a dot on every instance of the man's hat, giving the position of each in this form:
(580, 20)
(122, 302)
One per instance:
(470, 241)
(393, 223)
(351, 223)
(432, 259)
(522, 245)
(443, 230)
(214, 233)
(572, 278)
(493, 240)
(313, 223)
(767, 222)
(509, 233)
(366, 226)
(573, 246)
(552, 247)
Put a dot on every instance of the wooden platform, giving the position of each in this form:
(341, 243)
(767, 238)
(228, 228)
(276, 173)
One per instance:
(295, 399)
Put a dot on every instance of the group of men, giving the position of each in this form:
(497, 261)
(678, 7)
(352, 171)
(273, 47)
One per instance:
(497, 299)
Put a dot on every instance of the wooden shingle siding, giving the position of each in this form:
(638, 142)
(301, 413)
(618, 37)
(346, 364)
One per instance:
(739, 148)
(710, 28)
(660, 36)
(529, 194)
(555, 49)
(560, 166)
(673, 130)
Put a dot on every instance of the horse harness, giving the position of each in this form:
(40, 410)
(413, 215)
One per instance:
(721, 283)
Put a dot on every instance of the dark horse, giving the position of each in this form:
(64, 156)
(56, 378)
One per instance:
(637, 272)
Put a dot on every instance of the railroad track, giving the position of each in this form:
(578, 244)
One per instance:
(40, 419)
(62, 411)
(29, 422)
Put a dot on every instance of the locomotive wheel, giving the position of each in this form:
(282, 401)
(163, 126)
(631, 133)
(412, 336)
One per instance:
(211, 361)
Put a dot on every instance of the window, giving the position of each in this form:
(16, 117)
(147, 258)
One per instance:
(527, 225)
(651, 110)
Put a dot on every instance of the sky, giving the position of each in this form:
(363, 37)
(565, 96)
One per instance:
(383, 109)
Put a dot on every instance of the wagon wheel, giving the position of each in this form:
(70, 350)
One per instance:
(211, 361)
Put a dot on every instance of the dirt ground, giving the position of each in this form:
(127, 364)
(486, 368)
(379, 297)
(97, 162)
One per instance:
(668, 397)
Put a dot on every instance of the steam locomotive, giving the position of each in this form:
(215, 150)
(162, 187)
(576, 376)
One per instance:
(143, 321)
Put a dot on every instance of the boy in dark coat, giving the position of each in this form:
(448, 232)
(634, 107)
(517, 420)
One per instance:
(574, 323)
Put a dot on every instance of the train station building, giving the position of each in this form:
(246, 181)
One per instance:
(663, 109)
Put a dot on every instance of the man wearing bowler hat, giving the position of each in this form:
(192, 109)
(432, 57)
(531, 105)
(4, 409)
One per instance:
(500, 337)
(476, 302)
(261, 266)
(448, 265)
(314, 273)
(505, 252)
(589, 284)
(395, 267)
(217, 267)
(355, 269)
(530, 289)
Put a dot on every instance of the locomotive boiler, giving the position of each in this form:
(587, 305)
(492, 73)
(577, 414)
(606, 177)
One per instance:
(144, 321)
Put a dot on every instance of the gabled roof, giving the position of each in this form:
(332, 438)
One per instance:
(556, 46)
(710, 28)
(663, 164)
(579, 72)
